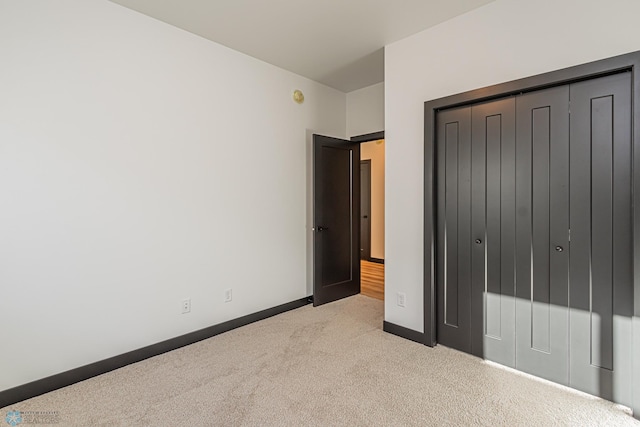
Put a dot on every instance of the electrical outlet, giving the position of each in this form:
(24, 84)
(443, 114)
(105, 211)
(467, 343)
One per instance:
(228, 295)
(402, 298)
(186, 306)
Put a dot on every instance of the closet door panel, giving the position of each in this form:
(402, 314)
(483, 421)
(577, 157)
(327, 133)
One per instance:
(493, 211)
(601, 293)
(542, 236)
(454, 228)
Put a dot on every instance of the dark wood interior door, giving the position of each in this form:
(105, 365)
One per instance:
(336, 213)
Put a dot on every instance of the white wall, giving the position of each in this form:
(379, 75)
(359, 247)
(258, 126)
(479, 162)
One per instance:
(374, 151)
(636, 367)
(140, 165)
(365, 110)
(502, 41)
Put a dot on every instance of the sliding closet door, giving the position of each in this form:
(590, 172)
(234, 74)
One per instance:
(601, 273)
(454, 228)
(493, 230)
(542, 234)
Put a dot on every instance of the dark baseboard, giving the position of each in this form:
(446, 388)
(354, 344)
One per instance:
(377, 260)
(54, 382)
(403, 332)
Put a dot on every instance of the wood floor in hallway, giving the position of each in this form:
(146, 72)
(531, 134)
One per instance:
(372, 279)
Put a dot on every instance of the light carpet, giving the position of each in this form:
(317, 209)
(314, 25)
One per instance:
(326, 366)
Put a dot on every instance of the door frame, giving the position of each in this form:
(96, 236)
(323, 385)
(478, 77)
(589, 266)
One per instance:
(369, 137)
(623, 63)
(367, 254)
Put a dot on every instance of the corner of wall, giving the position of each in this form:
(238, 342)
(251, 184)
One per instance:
(365, 110)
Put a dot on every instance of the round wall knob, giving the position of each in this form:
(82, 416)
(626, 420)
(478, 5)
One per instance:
(298, 96)
(478, 241)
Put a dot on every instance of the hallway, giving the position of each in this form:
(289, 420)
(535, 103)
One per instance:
(372, 279)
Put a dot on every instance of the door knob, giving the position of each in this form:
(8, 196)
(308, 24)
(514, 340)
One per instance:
(478, 241)
(559, 248)
(321, 228)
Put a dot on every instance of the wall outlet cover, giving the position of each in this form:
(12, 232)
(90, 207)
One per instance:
(186, 305)
(402, 299)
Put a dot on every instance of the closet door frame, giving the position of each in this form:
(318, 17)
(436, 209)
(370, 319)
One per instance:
(623, 63)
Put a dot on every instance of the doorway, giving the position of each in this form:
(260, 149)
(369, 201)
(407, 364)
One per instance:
(337, 218)
(372, 217)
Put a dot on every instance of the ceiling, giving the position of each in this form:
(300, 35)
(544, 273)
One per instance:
(335, 42)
